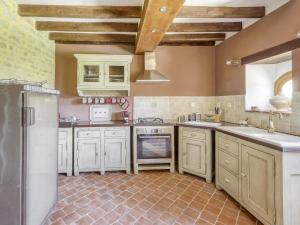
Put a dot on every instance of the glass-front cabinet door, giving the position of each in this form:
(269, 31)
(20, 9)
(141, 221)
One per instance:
(116, 74)
(91, 73)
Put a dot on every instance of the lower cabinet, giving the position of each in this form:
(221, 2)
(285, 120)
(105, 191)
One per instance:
(258, 182)
(195, 152)
(65, 151)
(116, 154)
(263, 180)
(101, 149)
(87, 156)
(193, 155)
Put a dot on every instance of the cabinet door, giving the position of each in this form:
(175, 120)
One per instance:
(115, 153)
(88, 154)
(258, 182)
(90, 73)
(116, 74)
(62, 156)
(193, 155)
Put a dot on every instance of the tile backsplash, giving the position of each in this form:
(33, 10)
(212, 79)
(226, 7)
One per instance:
(169, 108)
(233, 110)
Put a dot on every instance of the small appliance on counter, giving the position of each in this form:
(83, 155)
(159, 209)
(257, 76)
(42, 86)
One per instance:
(100, 113)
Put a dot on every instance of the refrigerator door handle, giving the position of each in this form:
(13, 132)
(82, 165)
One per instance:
(32, 115)
(28, 116)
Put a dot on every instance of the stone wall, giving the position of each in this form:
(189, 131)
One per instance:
(25, 53)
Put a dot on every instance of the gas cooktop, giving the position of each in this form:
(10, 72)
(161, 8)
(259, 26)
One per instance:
(151, 121)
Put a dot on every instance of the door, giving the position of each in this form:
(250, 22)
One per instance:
(62, 156)
(90, 74)
(258, 182)
(88, 156)
(115, 153)
(193, 155)
(116, 74)
(40, 156)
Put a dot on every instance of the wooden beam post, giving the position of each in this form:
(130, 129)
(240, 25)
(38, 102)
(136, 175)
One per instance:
(157, 16)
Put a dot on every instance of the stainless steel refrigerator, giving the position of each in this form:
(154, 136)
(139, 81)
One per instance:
(28, 153)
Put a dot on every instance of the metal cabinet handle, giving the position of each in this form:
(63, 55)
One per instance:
(227, 180)
(243, 174)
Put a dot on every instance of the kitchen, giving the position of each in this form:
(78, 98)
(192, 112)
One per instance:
(149, 112)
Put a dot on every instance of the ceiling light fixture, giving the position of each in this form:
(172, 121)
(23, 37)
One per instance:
(163, 9)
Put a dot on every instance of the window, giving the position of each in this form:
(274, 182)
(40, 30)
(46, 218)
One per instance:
(284, 85)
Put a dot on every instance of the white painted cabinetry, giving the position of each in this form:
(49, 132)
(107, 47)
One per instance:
(262, 179)
(101, 149)
(195, 152)
(65, 151)
(103, 75)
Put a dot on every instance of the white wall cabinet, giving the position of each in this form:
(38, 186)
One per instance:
(264, 180)
(195, 152)
(101, 149)
(103, 75)
(65, 151)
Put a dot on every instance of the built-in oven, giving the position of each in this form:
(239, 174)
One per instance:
(154, 144)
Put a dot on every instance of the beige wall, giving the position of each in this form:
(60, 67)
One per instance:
(24, 52)
(278, 27)
(190, 68)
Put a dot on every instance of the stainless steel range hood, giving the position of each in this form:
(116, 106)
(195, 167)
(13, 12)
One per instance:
(150, 74)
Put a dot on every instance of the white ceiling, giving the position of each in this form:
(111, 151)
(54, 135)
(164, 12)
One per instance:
(270, 5)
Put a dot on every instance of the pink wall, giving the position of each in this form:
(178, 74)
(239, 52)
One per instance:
(190, 68)
(276, 28)
(72, 106)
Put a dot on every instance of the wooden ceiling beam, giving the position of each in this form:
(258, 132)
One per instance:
(190, 43)
(86, 26)
(155, 22)
(64, 11)
(206, 27)
(176, 38)
(86, 38)
(221, 12)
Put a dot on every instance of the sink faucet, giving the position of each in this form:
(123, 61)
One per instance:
(271, 128)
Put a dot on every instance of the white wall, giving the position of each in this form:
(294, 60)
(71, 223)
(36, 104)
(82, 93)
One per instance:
(260, 80)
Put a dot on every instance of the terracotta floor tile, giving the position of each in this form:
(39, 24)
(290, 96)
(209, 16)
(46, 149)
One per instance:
(143, 221)
(156, 198)
(86, 220)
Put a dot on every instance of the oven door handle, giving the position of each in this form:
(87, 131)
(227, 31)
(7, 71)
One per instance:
(153, 137)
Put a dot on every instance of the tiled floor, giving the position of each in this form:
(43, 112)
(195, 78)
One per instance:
(148, 198)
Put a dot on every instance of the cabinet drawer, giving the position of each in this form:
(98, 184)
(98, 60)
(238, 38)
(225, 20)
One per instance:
(228, 145)
(195, 134)
(228, 181)
(115, 133)
(62, 134)
(229, 162)
(88, 134)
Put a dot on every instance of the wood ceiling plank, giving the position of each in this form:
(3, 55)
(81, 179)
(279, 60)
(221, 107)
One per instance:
(193, 37)
(206, 27)
(221, 12)
(154, 20)
(64, 11)
(100, 38)
(86, 27)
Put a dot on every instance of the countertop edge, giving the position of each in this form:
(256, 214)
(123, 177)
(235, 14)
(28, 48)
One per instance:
(254, 140)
